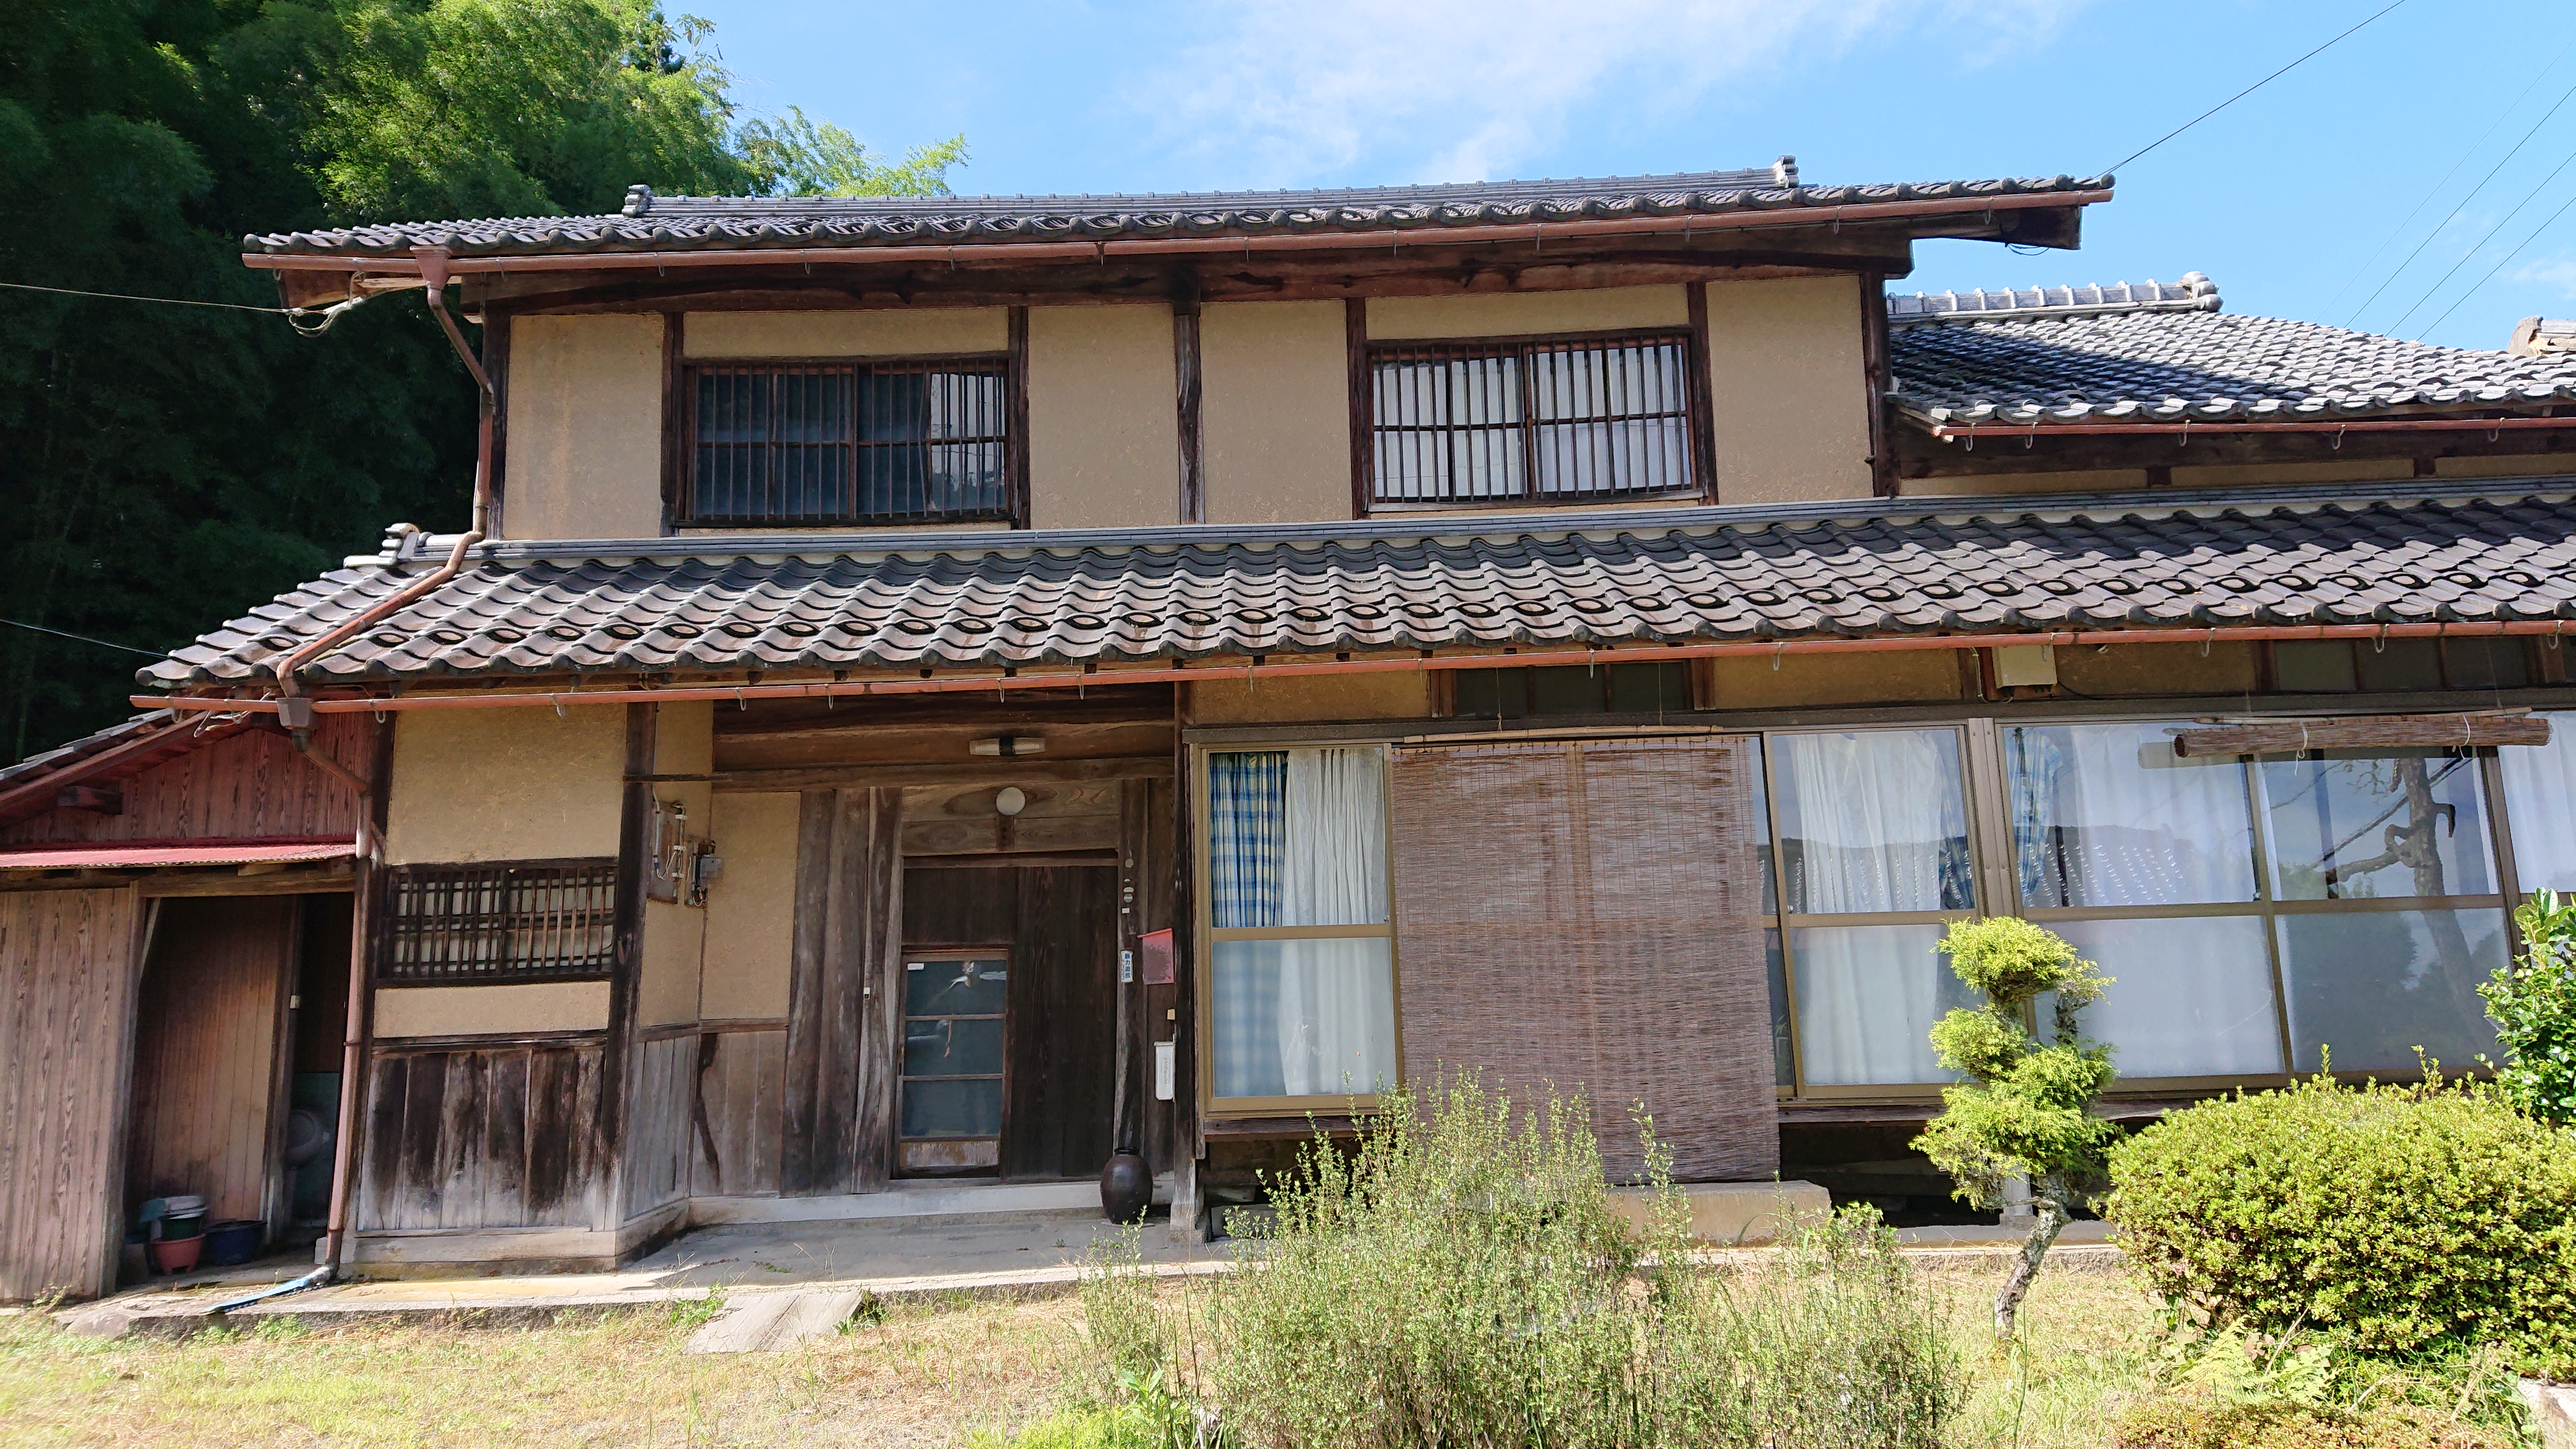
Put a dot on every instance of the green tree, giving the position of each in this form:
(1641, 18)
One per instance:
(164, 468)
(795, 156)
(2533, 1002)
(2026, 1109)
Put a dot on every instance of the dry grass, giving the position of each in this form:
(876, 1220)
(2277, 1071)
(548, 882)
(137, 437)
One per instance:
(2088, 1339)
(926, 1375)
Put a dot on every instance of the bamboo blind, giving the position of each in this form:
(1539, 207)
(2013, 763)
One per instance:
(1584, 917)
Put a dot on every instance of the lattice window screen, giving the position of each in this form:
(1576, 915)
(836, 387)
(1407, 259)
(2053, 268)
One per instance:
(538, 920)
(1586, 916)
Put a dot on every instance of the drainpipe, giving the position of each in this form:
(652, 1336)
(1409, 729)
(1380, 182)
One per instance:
(295, 713)
(294, 707)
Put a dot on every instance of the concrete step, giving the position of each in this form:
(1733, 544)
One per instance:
(768, 1322)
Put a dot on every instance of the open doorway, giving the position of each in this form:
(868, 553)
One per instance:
(236, 1078)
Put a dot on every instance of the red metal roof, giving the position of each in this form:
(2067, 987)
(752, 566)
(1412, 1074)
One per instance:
(116, 854)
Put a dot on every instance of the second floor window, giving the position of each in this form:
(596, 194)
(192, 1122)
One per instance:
(1545, 420)
(848, 443)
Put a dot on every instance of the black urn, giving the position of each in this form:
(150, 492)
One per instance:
(1126, 1188)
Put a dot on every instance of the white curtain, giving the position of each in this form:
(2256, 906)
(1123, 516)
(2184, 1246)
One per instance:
(1334, 869)
(2540, 795)
(1336, 997)
(1867, 998)
(2189, 997)
(2108, 815)
(1870, 814)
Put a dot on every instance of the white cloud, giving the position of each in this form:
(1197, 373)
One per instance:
(2557, 274)
(1285, 92)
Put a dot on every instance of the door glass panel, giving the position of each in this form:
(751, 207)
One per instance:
(2372, 986)
(951, 1047)
(2188, 998)
(1873, 821)
(954, 988)
(2108, 815)
(971, 1108)
(1867, 998)
(2359, 825)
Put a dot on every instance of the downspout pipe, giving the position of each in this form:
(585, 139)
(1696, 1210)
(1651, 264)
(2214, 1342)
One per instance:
(295, 713)
(294, 707)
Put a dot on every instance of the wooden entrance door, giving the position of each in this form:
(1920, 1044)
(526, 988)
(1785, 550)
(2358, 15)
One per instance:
(1056, 925)
(210, 1021)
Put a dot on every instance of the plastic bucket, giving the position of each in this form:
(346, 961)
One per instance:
(187, 1225)
(228, 1243)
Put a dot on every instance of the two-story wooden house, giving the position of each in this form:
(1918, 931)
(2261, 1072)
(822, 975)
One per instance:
(939, 690)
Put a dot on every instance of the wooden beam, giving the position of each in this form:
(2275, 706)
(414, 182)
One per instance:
(2410, 731)
(675, 413)
(1703, 395)
(1185, 376)
(1452, 270)
(98, 800)
(2007, 449)
(1363, 409)
(808, 719)
(973, 772)
(1015, 449)
(1874, 382)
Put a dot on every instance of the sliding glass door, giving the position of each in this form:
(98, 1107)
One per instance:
(1872, 855)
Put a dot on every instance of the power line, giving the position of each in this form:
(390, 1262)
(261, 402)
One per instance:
(2527, 198)
(2436, 190)
(296, 317)
(84, 638)
(2456, 210)
(2249, 90)
(132, 297)
(2498, 267)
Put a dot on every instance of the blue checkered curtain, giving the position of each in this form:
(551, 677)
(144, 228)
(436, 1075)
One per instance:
(1247, 836)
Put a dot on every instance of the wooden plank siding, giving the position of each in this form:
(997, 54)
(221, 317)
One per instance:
(741, 1080)
(504, 1136)
(68, 967)
(842, 1019)
(659, 1131)
(245, 785)
(207, 1038)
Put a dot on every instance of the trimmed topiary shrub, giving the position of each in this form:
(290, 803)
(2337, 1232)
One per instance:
(2396, 1219)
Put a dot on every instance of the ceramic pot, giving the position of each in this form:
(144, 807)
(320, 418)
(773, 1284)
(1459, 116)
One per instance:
(177, 1255)
(1126, 1188)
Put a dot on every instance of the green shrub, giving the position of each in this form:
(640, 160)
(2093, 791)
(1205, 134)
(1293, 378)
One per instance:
(2398, 1219)
(2533, 1002)
(2200, 1422)
(1461, 1279)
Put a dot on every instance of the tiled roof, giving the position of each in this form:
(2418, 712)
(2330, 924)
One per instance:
(61, 756)
(2074, 355)
(678, 223)
(1866, 567)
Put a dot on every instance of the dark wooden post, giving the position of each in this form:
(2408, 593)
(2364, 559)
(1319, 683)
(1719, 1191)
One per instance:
(1185, 374)
(1873, 367)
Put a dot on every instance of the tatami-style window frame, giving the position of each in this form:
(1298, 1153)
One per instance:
(850, 442)
(1530, 421)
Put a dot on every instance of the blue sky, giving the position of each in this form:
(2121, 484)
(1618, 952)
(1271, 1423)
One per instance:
(2306, 200)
